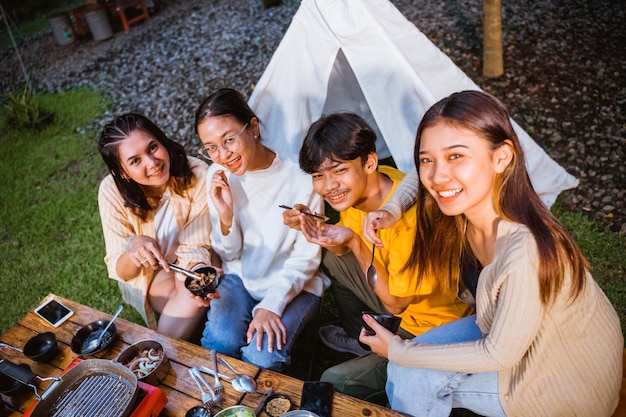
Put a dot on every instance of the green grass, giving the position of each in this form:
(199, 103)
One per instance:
(605, 250)
(50, 234)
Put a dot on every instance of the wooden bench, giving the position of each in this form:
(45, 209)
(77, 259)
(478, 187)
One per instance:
(119, 7)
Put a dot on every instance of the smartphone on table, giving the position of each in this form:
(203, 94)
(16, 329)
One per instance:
(53, 312)
(317, 397)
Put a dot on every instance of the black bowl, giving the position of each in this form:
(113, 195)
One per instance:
(389, 322)
(277, 404)
(202, 290)
(42, 347)
(12, 387)
(198, 411)
(92, 331)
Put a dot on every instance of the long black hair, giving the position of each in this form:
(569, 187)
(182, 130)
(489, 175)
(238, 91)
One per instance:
(181, 175)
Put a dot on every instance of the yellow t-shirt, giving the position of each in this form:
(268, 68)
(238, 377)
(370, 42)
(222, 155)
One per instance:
(431, 307)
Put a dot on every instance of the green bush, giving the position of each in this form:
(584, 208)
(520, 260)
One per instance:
(24, 109)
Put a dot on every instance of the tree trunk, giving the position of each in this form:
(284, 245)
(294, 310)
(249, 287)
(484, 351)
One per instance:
(493, 65)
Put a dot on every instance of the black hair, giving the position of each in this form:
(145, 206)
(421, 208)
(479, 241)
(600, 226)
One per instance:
(225, 102)
(341, 136)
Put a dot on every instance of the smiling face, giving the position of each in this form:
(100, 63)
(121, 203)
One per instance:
(145, 160)
(245, 154)
(344, 184)
(458, 168)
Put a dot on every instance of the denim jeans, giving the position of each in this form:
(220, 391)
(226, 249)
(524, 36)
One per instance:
(433, 393)
(229, 316)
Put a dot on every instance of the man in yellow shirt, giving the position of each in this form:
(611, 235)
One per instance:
(339, 151)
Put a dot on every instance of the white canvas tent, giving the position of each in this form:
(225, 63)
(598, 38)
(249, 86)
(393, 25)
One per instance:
(365, 56)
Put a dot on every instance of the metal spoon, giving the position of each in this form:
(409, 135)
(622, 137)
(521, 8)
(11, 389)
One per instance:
(371, 274)
(241, 382)
(95, 344)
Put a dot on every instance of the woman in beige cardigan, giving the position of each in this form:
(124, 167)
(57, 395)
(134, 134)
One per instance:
(551, 342)
(153, 207)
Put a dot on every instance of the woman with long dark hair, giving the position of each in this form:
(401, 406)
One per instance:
(154, 211)
(271, 286)
(551, 341)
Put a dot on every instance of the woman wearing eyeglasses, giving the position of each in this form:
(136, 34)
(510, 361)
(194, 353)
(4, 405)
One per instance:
(154, 211)
(271, 286)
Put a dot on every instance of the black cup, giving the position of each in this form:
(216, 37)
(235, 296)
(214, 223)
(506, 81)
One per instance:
(193, 284)
(389, 322)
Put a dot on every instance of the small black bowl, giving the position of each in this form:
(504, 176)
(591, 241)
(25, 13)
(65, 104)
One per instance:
(389, 322)
(198, 411)
(92, 331)
(12, 387)
(277, 404)
(202, 290)
(42, 347)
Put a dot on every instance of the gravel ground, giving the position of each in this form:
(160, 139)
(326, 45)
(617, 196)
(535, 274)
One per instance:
(564, 82)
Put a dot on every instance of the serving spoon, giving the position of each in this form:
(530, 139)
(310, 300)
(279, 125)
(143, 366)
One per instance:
(241, 382)
(371, 274)
(95, 343)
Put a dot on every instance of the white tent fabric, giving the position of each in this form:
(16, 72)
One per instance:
(365, 56)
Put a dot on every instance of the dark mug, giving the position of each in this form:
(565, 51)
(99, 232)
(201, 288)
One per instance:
(388, 321)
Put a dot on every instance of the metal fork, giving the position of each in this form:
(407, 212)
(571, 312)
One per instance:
(218, 387)
(208, 398)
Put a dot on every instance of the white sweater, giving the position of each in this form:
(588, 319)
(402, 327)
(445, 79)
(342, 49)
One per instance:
(274, 261)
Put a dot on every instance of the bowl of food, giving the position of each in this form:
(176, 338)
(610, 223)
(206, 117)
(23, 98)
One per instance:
(206, 283)
(277, 404)
(10, 386)
(236, 411)
(91, 331)
(42, 347)
(147, 360)
(388, 321)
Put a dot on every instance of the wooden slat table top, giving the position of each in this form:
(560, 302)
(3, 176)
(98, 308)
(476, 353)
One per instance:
(178, 386)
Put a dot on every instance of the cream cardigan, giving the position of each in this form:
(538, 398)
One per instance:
(564, 360)
(119, 223)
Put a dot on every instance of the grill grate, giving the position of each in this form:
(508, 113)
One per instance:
(95, 396)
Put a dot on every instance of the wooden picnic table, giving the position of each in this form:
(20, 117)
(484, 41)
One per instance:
(178, 385)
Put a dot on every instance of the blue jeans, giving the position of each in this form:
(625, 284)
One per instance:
(229, 317)
(432, 393)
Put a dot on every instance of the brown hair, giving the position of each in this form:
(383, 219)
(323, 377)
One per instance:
(440, 239)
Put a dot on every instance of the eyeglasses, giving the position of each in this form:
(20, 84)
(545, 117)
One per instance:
(230, 144)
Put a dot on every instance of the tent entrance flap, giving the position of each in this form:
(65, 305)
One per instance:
(344, 94)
